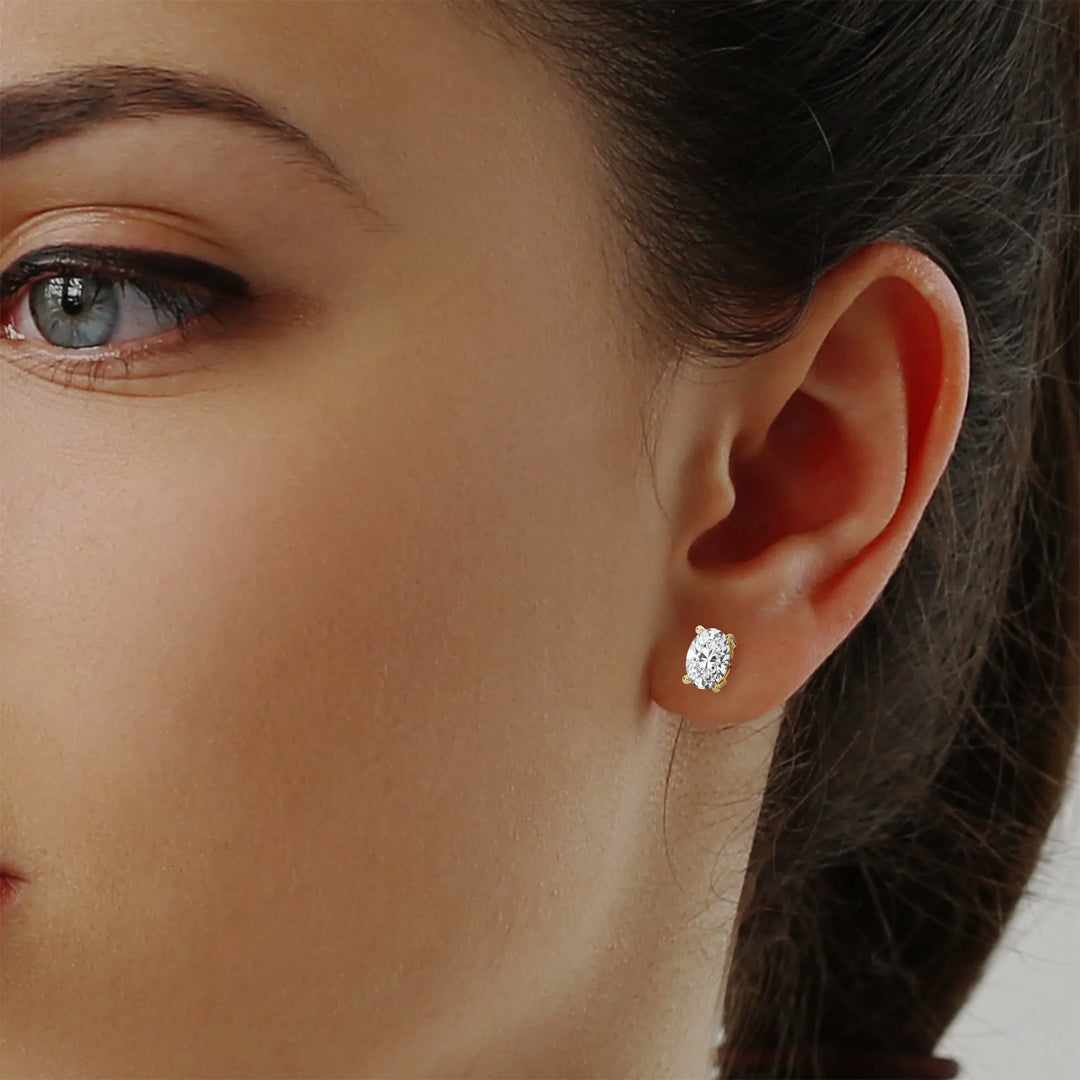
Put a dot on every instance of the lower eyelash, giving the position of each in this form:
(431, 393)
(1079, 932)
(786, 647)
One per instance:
(187, 309)
(90, 365)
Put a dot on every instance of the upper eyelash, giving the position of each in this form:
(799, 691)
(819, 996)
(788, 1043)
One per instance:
(121, 264)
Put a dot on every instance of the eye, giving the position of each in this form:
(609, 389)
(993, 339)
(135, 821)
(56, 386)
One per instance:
(82, 312)
(75, 299)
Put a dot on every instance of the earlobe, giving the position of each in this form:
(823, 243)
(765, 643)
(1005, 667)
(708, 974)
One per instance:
(840, 440)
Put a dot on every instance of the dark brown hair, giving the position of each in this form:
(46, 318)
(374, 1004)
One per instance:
(753, 145)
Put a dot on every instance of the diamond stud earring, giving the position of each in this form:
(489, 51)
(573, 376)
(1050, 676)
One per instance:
(708, 659)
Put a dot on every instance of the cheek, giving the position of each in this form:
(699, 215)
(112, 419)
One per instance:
(307, 664)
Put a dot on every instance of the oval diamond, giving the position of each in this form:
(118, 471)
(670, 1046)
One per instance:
(708, 658)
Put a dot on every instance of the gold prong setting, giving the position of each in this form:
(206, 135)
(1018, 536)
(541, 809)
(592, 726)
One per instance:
(708, 660)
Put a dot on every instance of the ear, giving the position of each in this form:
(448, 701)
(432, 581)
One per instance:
(800, 480)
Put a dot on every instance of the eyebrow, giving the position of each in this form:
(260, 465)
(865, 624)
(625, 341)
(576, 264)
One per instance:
(58, 104)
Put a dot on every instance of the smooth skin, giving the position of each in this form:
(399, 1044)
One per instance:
(342, 663)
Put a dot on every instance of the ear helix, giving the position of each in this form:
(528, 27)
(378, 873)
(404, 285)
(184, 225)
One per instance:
(708, 660)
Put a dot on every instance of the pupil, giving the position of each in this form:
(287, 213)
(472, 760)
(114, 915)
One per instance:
(71, 300)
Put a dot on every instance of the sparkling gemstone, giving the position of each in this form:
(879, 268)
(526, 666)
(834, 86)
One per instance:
(708, 658)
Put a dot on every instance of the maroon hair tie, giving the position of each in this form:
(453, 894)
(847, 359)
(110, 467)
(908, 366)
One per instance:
(846, 1062)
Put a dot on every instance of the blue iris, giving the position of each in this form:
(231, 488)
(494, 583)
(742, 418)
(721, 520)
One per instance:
(75, 312)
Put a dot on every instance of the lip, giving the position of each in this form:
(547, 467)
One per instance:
(11, 883)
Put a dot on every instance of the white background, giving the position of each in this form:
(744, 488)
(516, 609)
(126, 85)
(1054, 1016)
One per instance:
(1023, 1020)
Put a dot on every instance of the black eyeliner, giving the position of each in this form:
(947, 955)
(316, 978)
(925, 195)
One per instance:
(121, 263)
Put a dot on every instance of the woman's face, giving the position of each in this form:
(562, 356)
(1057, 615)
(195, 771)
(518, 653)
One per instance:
(325, 738)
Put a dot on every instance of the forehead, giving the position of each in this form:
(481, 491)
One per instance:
(363, 79)
(424, 112)
(339, 66)
(300, 47)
